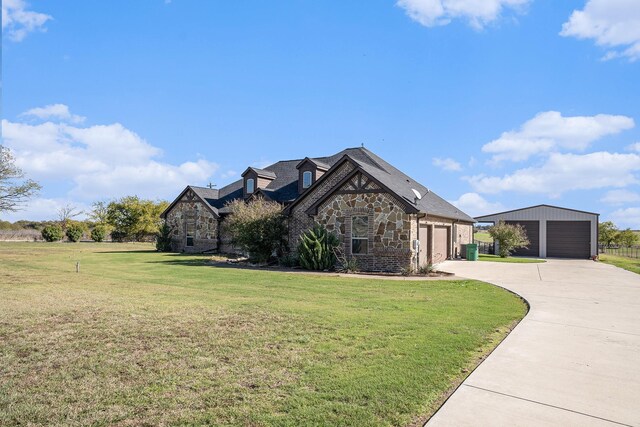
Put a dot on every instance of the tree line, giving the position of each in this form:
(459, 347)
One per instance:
(610, 235)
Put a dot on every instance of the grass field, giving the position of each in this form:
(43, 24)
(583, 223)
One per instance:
(142, 338)
(482, 236)
(630, 264)
(515, 260)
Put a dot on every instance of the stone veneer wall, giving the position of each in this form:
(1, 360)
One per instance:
(206, 236)
(299, 221)
(389, 228)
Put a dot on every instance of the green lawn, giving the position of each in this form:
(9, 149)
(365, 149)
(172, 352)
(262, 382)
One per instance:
(631, 264)
(482, 236)
(142, 338)
(516, 260)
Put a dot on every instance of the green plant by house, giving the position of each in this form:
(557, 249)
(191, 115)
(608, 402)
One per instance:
(426, 269)
(316, 249)
(509, 237)
(75, 231)
(52, 233)
(163, 238)
(258, 227)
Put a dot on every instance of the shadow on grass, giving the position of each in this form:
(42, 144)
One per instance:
(182, 259)
(142, 251)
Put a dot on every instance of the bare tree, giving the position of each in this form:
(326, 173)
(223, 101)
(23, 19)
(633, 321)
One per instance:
(13, 190)
(66, 214)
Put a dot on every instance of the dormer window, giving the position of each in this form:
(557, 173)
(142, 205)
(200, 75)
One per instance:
(306, 179)
(250, 185)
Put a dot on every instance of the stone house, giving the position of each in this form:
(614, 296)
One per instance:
(371, 205)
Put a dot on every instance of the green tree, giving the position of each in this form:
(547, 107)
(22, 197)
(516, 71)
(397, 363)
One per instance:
(14, 191)
(607, 232)
(75, 231)
(98, 233)
(52, 233)
(317, 249)
(626, 238)
(163, 238)
(258, 227)
(509, 237)
(132, 218)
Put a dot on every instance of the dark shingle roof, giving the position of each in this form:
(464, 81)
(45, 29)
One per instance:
(284, 186)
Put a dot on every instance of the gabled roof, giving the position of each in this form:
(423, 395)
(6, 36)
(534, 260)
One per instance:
(317, 163)
(205, 194)
(480, 218)
(283, 187)
(263, 173)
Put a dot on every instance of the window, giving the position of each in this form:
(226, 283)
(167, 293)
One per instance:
(360, 235)
(306, 179)
(190, 228)
(250, 185)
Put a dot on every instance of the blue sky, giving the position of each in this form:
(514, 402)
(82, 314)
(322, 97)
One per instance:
(493, 104)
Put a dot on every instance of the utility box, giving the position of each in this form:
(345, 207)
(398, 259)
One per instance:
(472, 252)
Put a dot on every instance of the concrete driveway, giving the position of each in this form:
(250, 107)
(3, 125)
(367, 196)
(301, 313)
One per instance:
(574, 360)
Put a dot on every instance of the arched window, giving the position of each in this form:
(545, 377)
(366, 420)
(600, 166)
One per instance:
(306, 179)
(250, 185)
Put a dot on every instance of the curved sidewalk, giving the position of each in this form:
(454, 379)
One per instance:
(574, 360)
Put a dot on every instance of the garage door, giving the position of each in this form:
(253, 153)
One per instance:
(533, 234)
(440, 244)
(569, 239)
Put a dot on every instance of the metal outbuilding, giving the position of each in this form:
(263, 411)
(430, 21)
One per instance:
(553, 231)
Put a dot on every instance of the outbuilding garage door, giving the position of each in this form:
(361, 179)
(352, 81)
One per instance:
(569, 239)
(533, 234)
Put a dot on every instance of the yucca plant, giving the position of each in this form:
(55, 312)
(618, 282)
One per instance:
(316, 249)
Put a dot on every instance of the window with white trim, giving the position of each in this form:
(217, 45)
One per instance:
(359, 235)
(250, 185)
(306, 179)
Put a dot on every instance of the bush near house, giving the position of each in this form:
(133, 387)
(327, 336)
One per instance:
(509, 237)
(163, 239)
(258, 227)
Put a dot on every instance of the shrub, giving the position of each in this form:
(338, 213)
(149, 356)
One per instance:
(289, 260)
(98, 233)
(75, 231)
(52, 233)
(509, 237)
(163, 238)
(317, 249)
(257, 227)
(426, 269)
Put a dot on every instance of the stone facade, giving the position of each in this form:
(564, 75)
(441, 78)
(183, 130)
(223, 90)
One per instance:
(299, 220)
(191, 208)
(389, 235)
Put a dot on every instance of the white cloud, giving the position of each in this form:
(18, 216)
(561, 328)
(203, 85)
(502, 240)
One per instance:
(475, 205)
(549, 131)
(17, 21)
(628, 217)
(447, 164)
(478, 13)
(634, 147)
(54, 111)
(620, 197)
(610, 23)
(103, 161)
(565, 172)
